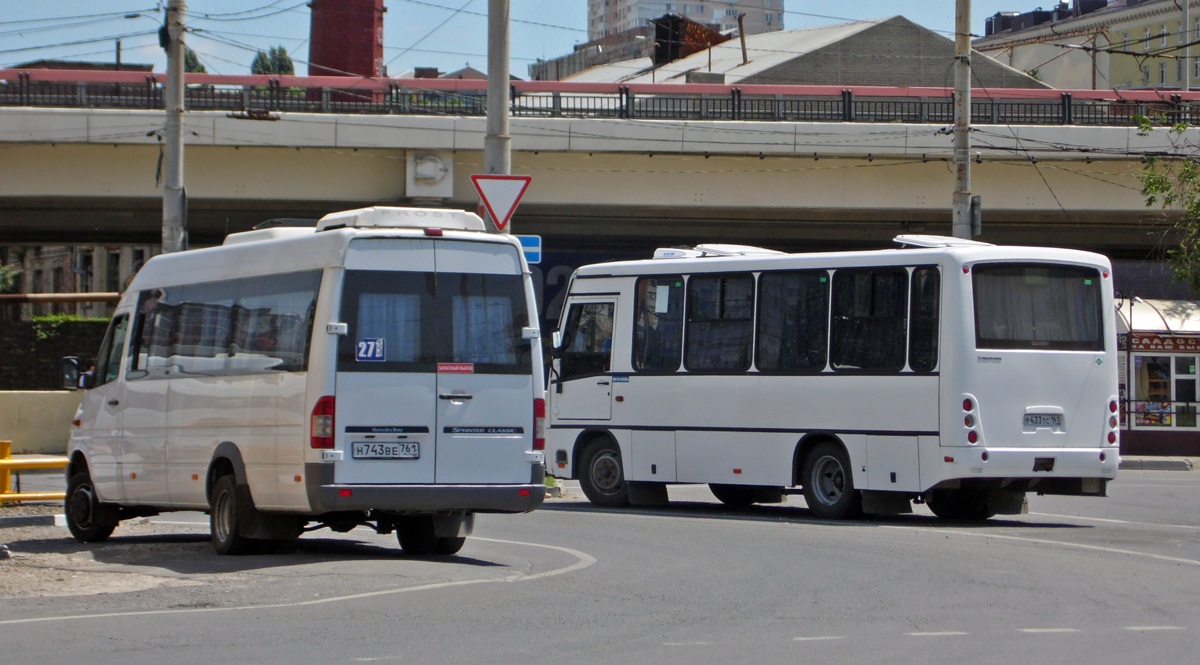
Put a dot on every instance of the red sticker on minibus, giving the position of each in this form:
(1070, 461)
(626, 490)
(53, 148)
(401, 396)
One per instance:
(456, 368)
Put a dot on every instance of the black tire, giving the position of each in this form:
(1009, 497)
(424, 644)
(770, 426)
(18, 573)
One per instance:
(416, 535)
(602, 475)
(829, 483)
(737, 496)
(447, 545)
(963, 503)
(89, 520)
(223, 518)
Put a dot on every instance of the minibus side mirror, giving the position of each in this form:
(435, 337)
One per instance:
(556, 340)
(70, 373)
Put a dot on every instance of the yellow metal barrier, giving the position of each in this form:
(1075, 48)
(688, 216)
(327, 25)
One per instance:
(8, 465)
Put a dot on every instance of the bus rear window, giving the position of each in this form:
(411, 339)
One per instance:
(1038, 306)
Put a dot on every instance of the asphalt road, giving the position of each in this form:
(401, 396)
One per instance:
(1077, 580)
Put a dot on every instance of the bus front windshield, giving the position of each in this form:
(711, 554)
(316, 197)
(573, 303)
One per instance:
(1038, 306)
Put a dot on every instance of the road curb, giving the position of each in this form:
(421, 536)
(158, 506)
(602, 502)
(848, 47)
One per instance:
(28, 520)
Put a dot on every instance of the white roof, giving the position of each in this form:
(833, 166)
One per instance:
(764, 51)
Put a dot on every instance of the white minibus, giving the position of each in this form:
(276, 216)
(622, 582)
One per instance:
(382, 368)
(950, 372)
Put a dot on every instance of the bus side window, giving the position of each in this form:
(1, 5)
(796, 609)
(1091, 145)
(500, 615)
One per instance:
(658, 324)
(924, 306)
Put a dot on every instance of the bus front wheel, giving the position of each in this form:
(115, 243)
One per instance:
(829, 483)
(602, 476)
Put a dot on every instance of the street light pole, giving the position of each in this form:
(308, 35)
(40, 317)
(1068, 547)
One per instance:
(174, 196)
(962, 120)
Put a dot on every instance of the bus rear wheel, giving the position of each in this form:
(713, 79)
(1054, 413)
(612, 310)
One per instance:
(829, 483)
(736, 496)
(602, 476)
(963, 503)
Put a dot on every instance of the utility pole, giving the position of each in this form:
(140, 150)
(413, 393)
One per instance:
(497, 144)
(962, 120)
(1186, 84)
(174, 196)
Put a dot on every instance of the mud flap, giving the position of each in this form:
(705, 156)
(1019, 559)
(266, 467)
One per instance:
(264, 526)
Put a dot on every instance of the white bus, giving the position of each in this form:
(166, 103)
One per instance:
(949, 372)
(383, 368)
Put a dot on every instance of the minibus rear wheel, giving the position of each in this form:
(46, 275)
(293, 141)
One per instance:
(223, 520)
(418, 537)
(89, 520)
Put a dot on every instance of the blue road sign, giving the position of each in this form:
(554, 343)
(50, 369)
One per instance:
(532, 246)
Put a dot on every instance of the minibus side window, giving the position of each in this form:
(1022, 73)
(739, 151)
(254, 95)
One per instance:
(108, 361)
(869, 320)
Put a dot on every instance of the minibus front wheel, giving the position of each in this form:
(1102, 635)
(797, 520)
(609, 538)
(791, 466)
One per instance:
(89, 520)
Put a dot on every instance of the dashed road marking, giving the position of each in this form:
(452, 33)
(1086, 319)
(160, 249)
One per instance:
(1048, 630)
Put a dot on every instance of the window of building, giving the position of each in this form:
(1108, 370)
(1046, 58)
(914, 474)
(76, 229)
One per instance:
(1162, 73)
(1162, 35)
(1146, 41)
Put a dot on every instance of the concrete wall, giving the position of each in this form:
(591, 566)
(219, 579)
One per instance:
(37, 422)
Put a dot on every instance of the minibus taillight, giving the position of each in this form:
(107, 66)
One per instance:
(539, 424)
(322, 423)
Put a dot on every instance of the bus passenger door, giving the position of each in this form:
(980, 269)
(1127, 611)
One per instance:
(581, 383)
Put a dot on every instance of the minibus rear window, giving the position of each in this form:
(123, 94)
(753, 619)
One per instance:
(1038, 306)
(412, 321)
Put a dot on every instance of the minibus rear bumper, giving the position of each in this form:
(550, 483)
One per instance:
(326, 496)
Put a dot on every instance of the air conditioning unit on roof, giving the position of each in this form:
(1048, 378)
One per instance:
(384, 217)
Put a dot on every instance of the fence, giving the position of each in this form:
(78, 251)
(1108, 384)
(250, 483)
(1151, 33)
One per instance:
(257, 97)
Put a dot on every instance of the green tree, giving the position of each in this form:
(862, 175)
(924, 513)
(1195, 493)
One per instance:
(275, 61)
(1172, 182)
(8, 278)
(191, 62)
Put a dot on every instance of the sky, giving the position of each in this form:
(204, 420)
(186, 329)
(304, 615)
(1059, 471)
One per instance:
(447, 34)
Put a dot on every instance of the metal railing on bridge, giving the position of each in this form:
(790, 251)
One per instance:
(258, 97)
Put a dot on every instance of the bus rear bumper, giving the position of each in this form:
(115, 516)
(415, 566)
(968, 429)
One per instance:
(1079, 471)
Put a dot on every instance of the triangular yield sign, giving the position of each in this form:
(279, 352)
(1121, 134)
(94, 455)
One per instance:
(500, 194)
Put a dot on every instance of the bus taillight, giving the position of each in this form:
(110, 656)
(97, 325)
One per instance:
(539, 424)
(970, 419)
(321, 435)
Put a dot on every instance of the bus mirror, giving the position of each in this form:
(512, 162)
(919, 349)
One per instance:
(70, 373)
(556, 343)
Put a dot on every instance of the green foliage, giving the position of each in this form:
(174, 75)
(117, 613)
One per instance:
(46, 328)
(276, 61)
(191, 62)
(8, 278)
(1172, 182)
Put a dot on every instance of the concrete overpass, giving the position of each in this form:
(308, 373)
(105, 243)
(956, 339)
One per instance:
(602, 185)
